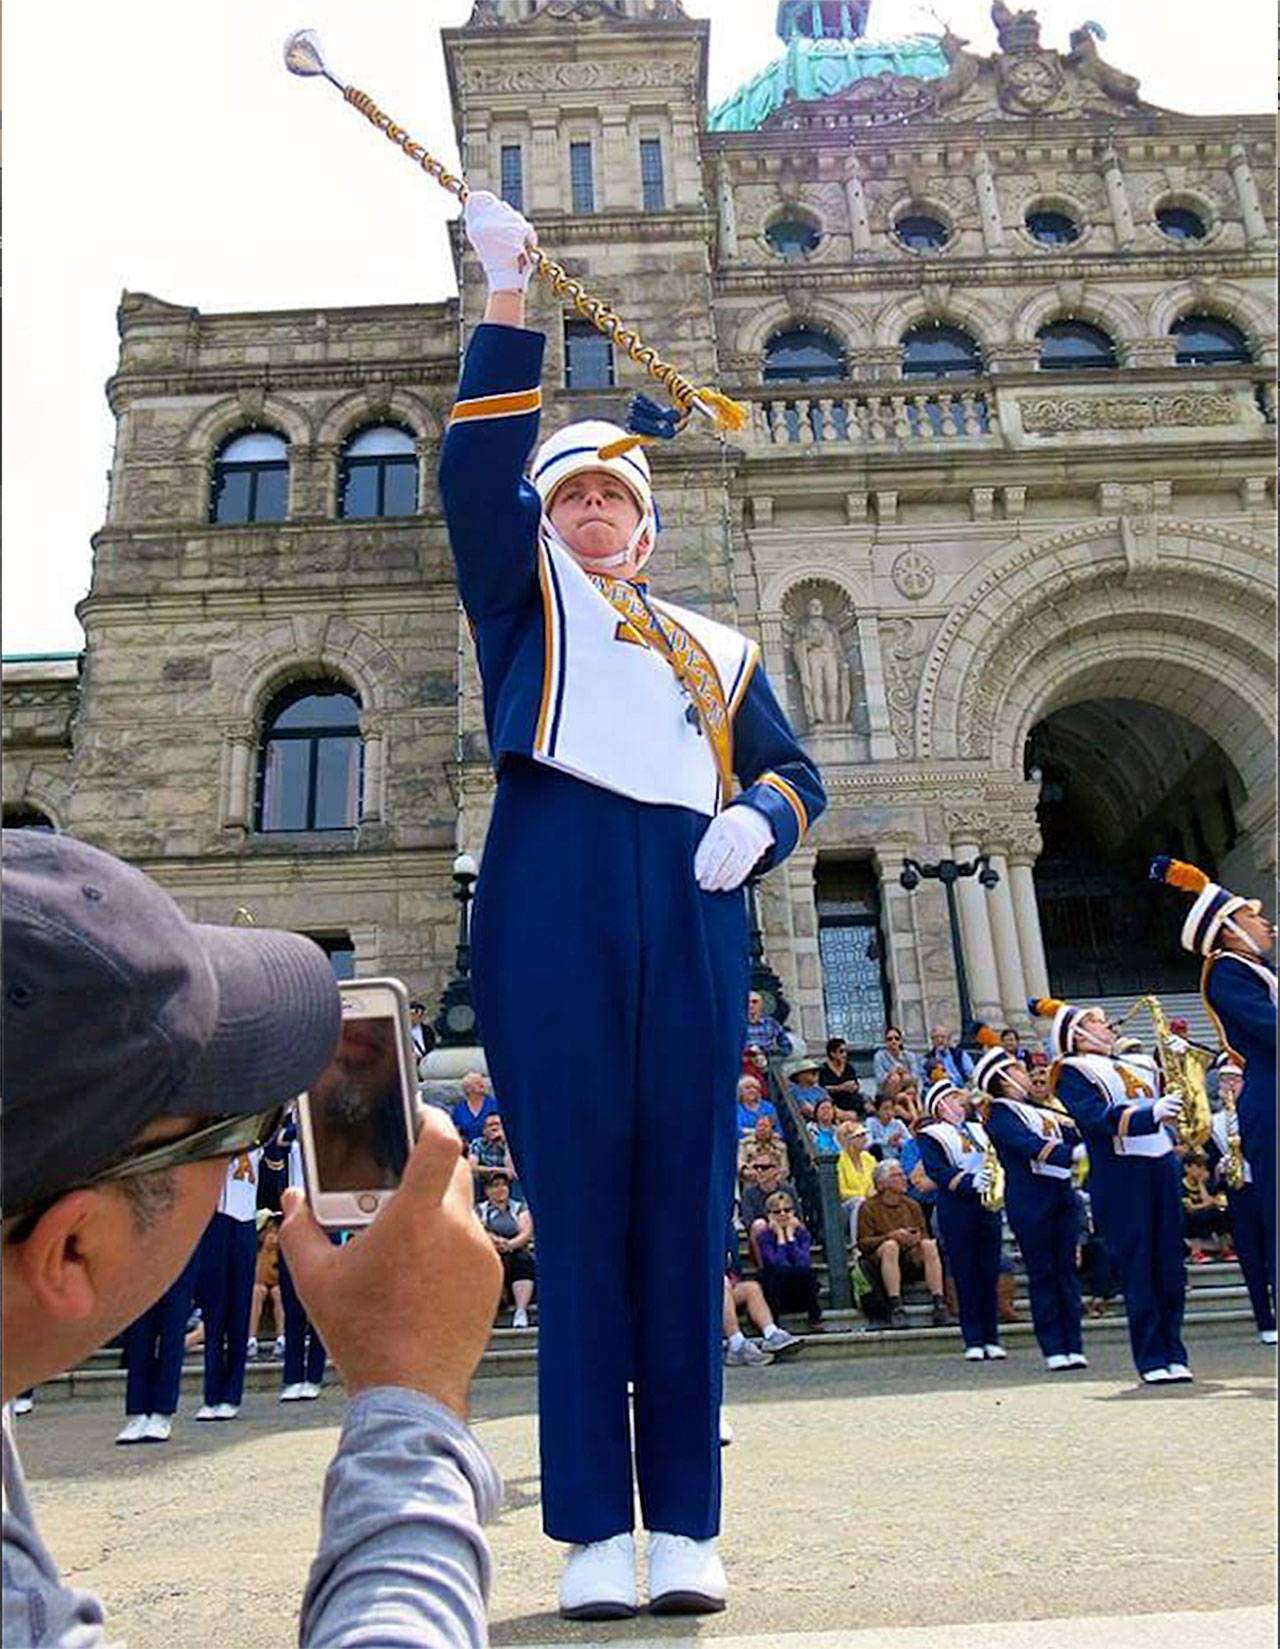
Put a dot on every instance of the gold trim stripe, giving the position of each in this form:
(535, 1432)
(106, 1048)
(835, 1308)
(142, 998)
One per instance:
(549, 658)
(776, 782)
(513, 405)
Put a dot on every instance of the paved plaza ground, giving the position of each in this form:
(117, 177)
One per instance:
(904, 1502)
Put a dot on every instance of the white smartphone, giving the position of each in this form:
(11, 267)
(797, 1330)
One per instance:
(358, 1120)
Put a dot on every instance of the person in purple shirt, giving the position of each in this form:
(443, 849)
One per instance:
(786, 1270)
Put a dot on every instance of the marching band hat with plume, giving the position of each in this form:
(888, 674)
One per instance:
(1213, 905)
(1065, 1016)
(940, 1086)
(989, 1067)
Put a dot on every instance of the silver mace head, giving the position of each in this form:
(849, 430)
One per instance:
(303, 54)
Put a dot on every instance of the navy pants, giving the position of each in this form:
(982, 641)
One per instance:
(1047, 1225)
(1249, 1232)
(598, 960)
(153, 1348)
(1257, 1111)
(304, 1353)
(228, 1258)
(1137, 1207)
(971, 1238)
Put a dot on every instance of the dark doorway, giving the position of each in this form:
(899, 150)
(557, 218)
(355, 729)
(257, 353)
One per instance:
(851, 946)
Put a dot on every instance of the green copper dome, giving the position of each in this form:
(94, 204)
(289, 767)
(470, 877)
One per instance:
(816, 68)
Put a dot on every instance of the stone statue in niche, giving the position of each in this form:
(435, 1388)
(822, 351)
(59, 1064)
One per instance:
(826, 684)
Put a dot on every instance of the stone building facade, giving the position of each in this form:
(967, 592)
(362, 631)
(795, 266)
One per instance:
(1026, 611)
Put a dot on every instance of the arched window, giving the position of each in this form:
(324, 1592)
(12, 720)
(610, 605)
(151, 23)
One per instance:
(936, 350)
(22, 816)
(921, 232)
(1204, 340)
(309, 759)
(379, 474)
(1180, 223)
(801, 356)
(251, 479)
(1074, 346)
(793, 236)
(1052, 228)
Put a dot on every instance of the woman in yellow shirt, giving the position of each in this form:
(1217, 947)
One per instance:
(855, 1167)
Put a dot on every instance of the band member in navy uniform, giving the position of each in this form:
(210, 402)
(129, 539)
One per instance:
(621, 728)
(1038, 1145)
(1248, 1228)
(1135, 1180)
(153, 1348)
(1239, 989)
(953, 1149)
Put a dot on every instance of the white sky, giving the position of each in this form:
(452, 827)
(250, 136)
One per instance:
(161, 147)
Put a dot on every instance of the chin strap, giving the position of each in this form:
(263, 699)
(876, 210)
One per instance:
(1245, 939)
(606, 562)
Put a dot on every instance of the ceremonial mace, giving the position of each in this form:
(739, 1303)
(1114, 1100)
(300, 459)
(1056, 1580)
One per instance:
(303, 56)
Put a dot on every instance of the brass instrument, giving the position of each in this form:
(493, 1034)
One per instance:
(1234, 1171)
(992, 1198)
(1184, 1071)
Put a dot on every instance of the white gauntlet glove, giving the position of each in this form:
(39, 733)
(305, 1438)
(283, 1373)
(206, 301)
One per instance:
(499, 235)
(1168, 1108)
(1078, 1153)
(982, 1179)
(730, 847)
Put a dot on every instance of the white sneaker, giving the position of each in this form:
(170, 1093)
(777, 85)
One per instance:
(208, 1411)
(726, 1431)
(1266, 1335)
(995, 1354)
(1059, 1360)
(599, 1580)
(1180, 1372)
(251, 1348)
(974, 1354)
(686, 1577)
(1077, 1359)
(24, 1405)
(1156, 1377)
(227, 1411)
(294, 1393)
(134, 1427)
(520, 1318)
(158, 1428)
(309, 1391)
(277, 1349)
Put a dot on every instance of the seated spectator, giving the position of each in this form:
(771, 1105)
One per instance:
(894, 1240)
(774, 1341)
(755, 1062)
(803, 1076)
(822, 1130)
(266, 1286)
(907, 1103)
(1204, 1215)
(886, 1129)
(476, 1104)
(839, 1078)
(1037, 1060)
(763, 1031)
(510, 1228)
(943, 1055)
(752, 1207)
(752, 1105)
(895, 1056)
(763, 1141)
(1011, 1043)
(786, 1269)
(855, 1172)
(490, 1151)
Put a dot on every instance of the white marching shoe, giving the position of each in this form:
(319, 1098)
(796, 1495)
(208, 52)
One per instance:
(1180, 1372)
(686, 1576)
(1156, 1376)
(974, 1354)
(207, 1411)
(1267, 1336)
(1059, 1360)
(133, 1428)
(296, 1393)
(1077, 1359)
(599, 1580)
(995, 1354)
(726, 1431)
(159, 1428)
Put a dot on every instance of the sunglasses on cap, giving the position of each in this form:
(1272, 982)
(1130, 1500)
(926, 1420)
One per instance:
(223, 1137)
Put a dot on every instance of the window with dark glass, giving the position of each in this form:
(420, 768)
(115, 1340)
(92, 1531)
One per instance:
(588, 357)
(793, 237)
(651, 180)
(936, 350)
(22, 816)
(378, 474)
(251, 479)
(803, 355)
(921, 232)
(1073, 346)
(582, 177)
(1204, 340)
(309, 759)
(1052, 228)
(1181, 223)
(513, 175)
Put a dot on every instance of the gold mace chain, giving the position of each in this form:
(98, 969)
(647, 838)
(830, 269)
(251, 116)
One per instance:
(600, 313)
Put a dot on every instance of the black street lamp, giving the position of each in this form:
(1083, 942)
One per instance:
(764, 980)
(949, 872)
(455, 1023)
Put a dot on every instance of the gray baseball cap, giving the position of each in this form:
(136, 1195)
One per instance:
(118, 1010)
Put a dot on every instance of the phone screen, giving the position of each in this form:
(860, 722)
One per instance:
(357, 1111)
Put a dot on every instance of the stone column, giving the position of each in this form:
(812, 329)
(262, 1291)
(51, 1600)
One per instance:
(686, 165)
(859, 221)
(1035, 971)
(1255, 222)
(884, 747)
(975, 931)
(1117, 197)
(988, 202)
(372, 787)
(618, 176)
(239, 744)
(545, 187)
(1004, 931)
(727, 213)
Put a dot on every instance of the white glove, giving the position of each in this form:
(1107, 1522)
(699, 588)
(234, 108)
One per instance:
(499, 235)
(1078, 1153)
(1168, 1108)
(982, 1179)
(1178, 1044)
(730, 847)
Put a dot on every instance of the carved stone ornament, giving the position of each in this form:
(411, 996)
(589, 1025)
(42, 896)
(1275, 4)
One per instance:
(1031, 83)
(251, 401)
(898, 651)
(1046, 416)
(913, 575)
(575, 77)
(826, 686)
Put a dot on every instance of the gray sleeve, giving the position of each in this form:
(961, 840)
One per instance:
(402, 1562)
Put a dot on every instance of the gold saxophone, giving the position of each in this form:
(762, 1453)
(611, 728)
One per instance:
(992, 1198)
(1184, 1071)
(1234, 1173)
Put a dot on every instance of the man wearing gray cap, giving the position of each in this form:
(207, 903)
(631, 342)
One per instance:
(142, 1051)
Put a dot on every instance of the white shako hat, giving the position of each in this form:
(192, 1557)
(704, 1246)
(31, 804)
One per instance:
(988, 1067)
(1213, 908)
(940, 1089)
(577, 447)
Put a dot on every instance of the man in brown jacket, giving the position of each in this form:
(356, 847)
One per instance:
(893, 1237)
